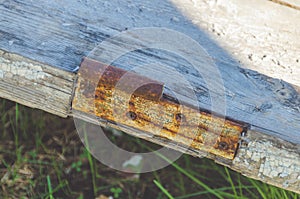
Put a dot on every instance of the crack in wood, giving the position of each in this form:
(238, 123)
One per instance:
(284, 3)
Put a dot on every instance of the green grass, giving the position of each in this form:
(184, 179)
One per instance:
(41, 156)
(163, 189)
(50, 187)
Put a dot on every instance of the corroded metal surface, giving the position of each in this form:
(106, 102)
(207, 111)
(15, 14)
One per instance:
(137, 101)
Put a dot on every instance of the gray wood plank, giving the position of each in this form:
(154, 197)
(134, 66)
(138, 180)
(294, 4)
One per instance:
(35, 85)
(60, 33)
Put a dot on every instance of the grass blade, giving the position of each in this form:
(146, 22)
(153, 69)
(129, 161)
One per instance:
(206, 192)
(191, 177)
(231, 182)
(163, 189)
(91, 163)
(50, 187)
(258, 188)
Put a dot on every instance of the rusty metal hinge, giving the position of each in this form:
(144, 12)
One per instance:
(102, 92)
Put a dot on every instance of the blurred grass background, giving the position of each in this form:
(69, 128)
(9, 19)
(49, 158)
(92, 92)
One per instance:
(42, 157)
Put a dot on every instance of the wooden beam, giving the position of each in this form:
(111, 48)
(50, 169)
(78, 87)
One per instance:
(259, 92)
(269, 159)
(35, 84)
(259, 156)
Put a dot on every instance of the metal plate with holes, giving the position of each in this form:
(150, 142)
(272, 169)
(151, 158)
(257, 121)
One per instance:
(138, 102)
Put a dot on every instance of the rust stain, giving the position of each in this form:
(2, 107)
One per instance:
(145, 109)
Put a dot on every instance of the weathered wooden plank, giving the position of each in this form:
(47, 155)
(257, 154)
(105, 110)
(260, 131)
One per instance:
(35, 84)
(269, 159)
(60, 33)
(261, 157)
(62, 38)
(260, 34)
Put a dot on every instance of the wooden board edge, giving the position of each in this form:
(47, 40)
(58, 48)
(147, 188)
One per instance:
(269, 159)
(265, 158)
(35, 84)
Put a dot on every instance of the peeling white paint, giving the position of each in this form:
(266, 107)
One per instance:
(21, 68)
(270, 162)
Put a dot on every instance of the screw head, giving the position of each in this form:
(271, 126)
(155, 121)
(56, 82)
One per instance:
(179, 117)
(132, 115)
(223, 145)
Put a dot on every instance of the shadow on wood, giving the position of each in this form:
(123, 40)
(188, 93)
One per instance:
(60, 33)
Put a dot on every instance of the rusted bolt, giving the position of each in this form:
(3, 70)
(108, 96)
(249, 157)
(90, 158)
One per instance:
(131, 115)
(179, 117)
(223, 145)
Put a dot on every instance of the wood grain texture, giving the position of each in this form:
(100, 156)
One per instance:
(231, 31)
(35, 85)
(60, 33)
(62, 38)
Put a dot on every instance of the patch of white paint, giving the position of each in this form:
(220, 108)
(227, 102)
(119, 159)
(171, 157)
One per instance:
(21, 68)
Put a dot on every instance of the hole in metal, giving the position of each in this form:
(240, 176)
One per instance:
(179, 117)
(131, 115)
(223, 146)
